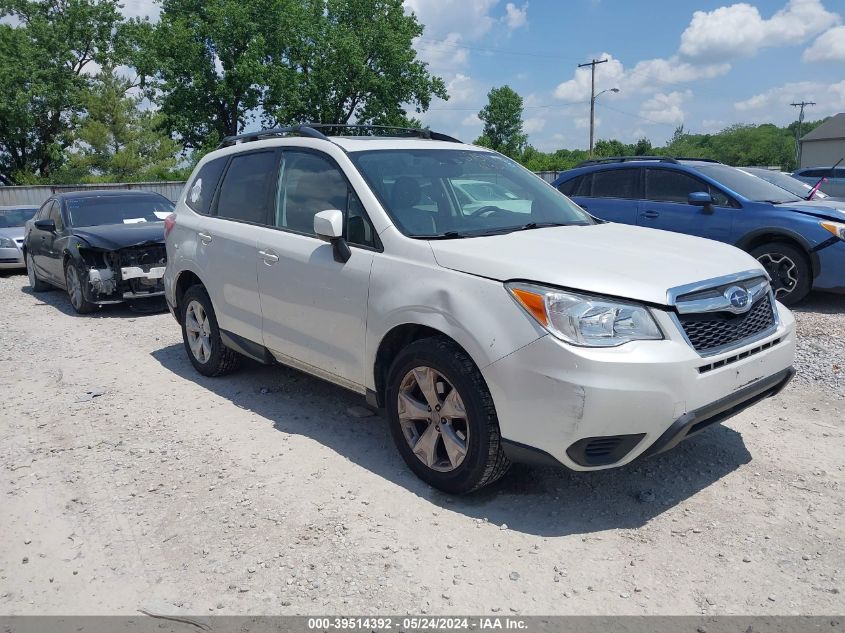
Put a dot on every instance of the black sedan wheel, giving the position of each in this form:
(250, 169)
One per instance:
(75, 292)
(34, 282)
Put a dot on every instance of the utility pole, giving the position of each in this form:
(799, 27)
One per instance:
(801, 105)
(592, 65)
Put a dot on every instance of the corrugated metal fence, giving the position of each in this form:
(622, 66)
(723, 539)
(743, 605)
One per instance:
(36, 195)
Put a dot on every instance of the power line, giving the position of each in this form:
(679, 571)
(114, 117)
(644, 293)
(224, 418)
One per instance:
(563, 104)
(637, 116)
(487, 49)
(798, 130)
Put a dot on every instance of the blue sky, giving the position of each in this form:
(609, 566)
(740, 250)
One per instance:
(704, 63)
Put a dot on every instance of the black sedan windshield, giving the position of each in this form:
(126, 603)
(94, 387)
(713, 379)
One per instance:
(15, 217)
(445, 194)
(746, 185)
(122, 209)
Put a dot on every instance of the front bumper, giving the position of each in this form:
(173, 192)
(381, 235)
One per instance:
(831, 276)
(553, 400)
(11, 258)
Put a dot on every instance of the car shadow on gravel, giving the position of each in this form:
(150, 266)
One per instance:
(822, 303)
(535, 500)
(58, 299)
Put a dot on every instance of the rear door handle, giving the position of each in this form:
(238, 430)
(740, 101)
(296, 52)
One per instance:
(205, 238)
(269, 257)
(651, 214)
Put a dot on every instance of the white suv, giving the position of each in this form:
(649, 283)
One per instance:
(488, 334)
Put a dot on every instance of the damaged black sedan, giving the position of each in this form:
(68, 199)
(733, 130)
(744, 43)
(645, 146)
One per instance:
(102, 247)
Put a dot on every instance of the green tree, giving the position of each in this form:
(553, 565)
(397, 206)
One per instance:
(213, 66)
(45, 53)
(502, 117)
(115, 141)
(347, 60)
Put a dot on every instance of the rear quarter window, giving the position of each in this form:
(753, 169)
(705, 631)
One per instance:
(202, 187)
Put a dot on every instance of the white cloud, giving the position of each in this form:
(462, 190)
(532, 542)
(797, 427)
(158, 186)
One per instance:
(829, 47)
(441, 17)
(515, 17)
(608, 75)
(443, 56)
(739, 30)
(774, 103)
(533, 124)
(665, 108)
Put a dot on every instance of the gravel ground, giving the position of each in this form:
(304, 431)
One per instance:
(130, 482)
(821, 343)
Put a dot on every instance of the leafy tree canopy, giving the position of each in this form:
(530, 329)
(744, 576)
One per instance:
(44, 56)
(502, 117)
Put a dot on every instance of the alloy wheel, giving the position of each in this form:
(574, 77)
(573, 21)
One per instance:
(433, 419)
(198, 329)
(30, 270)
(74, 286)
(782, 270)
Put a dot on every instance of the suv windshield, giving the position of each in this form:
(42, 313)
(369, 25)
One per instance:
(456, 193)
(746, 185)
(785, 181)
(16, 217)
(129, 209)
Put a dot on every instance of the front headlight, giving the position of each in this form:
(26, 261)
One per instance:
(6, 242)
(585, 320)
(837, 228)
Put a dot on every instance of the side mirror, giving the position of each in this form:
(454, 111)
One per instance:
(46, 225)
(328, 226)
(700, 199)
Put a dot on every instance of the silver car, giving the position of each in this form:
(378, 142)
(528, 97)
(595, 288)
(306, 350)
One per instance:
(12, 221)
(834, 184)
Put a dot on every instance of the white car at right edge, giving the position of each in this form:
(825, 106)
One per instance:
(487, 335)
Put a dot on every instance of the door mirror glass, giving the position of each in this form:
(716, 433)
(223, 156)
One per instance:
(328, 225)
(46, 225)
(700, 199)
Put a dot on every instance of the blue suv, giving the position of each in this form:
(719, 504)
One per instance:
(800, 243)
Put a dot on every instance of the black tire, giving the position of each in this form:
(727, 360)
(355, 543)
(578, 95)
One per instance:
(34, 282)
(77, 300)
(485, 460)
(221, 360)
(789, 268)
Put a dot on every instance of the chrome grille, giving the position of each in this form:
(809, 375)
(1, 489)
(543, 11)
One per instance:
(712, 331)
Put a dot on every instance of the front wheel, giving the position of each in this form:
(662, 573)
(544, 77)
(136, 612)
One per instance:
(205, 348)
(442, 417)
(75, 291)
(788, 268)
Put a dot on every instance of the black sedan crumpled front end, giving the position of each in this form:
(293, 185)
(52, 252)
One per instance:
(127, 274)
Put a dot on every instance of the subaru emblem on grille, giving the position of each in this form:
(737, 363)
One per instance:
(738, 297)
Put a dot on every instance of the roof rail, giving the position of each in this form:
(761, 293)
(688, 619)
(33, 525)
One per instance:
(294, 130)
(367, 130)
(313, 130)
(701, 160)
(624, 159)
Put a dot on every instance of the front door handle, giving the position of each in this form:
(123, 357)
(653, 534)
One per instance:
(269, 257)
(205, 238)
(651, 214)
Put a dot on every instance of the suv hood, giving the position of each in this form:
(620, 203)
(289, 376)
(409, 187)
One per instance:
(609, 259)
(111, 237)
(823, 209)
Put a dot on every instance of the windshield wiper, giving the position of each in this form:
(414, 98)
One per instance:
(540, 225)
(448, 235)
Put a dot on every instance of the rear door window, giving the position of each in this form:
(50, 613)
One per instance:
(247, 188)
(201, 191)
(664, 185)
(616, 183)
(56, 216)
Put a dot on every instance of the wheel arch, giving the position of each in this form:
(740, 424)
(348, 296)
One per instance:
(393, 342)
(752, 240)
(185, 280)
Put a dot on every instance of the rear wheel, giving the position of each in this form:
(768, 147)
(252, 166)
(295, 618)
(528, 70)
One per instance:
(201, 335)
(75, 292)
(788, 268)
(34, 282)
(442, 417)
